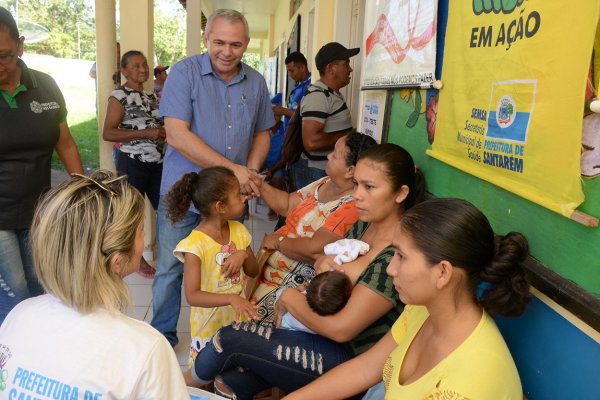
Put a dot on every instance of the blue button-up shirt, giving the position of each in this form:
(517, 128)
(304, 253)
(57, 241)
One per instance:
(225, 115)
(295, 97)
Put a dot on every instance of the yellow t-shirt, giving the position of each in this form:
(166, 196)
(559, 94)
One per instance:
(481, 368)
(205, 322)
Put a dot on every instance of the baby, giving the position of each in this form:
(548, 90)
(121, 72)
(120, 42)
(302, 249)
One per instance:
(328, 293)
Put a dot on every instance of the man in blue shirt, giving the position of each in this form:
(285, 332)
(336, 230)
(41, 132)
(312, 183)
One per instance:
(297, 68)
(217, 112)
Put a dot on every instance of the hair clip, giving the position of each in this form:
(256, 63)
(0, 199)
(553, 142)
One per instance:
(102, 185)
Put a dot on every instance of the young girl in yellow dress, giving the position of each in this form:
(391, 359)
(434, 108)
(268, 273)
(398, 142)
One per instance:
(215, 255)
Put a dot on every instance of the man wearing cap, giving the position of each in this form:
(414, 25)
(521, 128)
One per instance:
(160, 76)
(325, 116)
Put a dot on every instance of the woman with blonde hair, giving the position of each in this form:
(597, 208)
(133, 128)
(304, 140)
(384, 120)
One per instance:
(75, 341)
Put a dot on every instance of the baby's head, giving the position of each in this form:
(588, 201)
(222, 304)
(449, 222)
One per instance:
(328, 293)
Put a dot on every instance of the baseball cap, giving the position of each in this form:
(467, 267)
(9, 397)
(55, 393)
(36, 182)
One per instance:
(332, 52)
(159, 68)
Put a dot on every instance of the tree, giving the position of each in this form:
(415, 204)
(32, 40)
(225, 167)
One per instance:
(71, 25)
(169, 36)
(254, 60)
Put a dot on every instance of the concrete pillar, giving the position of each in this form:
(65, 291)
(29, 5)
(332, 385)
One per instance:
(106, 61)
(194, 27)
(323, 29)
(137, 31)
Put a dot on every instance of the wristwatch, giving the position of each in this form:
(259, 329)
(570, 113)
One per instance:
(278, 243)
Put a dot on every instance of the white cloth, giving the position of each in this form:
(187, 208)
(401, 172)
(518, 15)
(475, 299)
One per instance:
(48, 349)
(288, 321)
(346, 250)
(590, 157)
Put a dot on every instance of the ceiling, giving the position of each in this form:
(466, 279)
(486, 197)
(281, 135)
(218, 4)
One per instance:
(257, 12)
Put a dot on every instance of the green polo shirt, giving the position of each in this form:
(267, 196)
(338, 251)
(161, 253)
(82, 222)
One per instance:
(29, 130)
(11, 99)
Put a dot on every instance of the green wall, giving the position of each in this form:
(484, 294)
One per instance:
(565, 246)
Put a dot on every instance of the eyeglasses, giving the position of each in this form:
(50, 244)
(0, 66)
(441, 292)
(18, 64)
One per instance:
(104, 184)
(6, 58)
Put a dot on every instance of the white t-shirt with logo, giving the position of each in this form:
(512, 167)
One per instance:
(48, 350)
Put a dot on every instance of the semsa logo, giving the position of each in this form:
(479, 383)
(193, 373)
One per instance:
(495, 6)
(38, 108)
(505, 112)
(510, 110)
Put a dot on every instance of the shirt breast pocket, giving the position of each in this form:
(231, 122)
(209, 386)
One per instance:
(247, 112)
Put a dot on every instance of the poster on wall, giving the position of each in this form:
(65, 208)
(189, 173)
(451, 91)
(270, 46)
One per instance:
(511, 108)
(270, 75)
(399, 47)
(373, 113)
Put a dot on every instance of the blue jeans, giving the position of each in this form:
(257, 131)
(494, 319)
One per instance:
(18, 280)
(268, 357)
(376, 392)
(301, 174)
(166, 287)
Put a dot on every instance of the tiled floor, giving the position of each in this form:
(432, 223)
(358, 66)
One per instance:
(141, 288)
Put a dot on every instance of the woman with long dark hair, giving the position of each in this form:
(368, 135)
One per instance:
(453, 274)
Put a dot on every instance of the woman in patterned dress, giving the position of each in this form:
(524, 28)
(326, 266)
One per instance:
(316, 215)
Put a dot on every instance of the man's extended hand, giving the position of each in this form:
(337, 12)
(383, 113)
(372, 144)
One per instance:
(243, 175)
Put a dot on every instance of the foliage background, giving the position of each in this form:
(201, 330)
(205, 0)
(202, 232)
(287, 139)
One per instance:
(71, 24)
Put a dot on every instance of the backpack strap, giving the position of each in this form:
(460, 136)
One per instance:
(320, 114)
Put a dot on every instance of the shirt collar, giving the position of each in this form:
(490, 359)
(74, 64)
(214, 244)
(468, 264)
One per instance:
(322, 85)
(27, 78)
(304, 81)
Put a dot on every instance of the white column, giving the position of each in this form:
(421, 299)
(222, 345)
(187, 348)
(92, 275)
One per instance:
(194, 28)
(106, 61)
(137, 31)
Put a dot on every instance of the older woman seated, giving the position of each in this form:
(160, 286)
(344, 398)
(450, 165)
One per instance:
(317, 214)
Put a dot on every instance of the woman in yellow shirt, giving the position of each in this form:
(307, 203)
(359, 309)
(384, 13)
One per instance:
(452, 273)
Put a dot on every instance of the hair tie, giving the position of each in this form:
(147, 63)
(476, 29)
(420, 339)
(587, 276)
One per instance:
(482, 289)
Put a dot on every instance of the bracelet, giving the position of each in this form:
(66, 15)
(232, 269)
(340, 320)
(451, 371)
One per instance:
(253, 170)
(278, 243)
